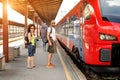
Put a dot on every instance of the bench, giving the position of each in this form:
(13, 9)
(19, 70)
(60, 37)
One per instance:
(14, 52)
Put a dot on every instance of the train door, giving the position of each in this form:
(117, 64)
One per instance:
(74, 30)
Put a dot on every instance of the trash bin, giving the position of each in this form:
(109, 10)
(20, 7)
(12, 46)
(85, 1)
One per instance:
(11, 53)
(2, 62)
(16, 51)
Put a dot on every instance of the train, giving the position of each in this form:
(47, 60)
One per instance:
(91, 32)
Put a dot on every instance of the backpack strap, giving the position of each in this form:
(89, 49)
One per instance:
(51, 30)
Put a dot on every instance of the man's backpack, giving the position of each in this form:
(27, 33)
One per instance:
(43, 34)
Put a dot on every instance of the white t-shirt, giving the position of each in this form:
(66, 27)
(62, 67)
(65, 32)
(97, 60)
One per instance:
(52, 32)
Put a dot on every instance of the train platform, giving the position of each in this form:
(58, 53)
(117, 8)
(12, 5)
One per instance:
(64, 68)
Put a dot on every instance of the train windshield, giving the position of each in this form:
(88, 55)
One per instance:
(110, 10)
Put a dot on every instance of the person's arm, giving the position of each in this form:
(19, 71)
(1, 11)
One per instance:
(29, 37)
(40, 31)
(48, 37)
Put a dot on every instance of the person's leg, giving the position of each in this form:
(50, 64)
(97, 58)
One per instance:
(49, 58)
(32, 56)
(32, 61)
(49, 64)
(29, 57)
(28, 62)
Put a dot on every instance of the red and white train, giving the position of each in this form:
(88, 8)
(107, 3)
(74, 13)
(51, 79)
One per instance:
(91, 31)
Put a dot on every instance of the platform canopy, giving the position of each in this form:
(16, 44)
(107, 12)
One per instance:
(46, 10)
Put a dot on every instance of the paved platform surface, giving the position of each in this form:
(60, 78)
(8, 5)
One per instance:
(17, 70)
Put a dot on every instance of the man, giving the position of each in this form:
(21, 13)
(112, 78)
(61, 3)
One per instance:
(51, 36)
(43, 34)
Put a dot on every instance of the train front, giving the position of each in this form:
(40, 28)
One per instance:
(104, 46)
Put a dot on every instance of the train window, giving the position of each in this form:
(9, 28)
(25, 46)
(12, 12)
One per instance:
(71, 28)
(87, 12)
(110, 10)
(76, 28)
(72, 23)
(67, 27)
(74, 17)
(61, 29)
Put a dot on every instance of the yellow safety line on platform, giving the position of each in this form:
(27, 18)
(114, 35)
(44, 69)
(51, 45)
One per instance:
(64, 66)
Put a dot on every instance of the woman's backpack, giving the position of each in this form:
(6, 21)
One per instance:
(26, 38)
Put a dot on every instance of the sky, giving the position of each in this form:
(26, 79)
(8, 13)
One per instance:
(65, 8)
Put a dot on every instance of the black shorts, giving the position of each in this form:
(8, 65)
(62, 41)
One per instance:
(52, 48)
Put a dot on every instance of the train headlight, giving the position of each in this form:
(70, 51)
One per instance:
(107, 37)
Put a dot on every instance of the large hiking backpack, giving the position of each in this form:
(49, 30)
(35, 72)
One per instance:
(43, 34)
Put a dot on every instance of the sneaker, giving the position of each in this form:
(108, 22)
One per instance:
(33, 66)
(50, 66)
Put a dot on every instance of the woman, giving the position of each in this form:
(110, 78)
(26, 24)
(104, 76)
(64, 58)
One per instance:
(31, 46)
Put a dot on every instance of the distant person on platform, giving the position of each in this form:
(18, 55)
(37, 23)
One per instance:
(31, 46)
(51, 36)
(43, 34)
